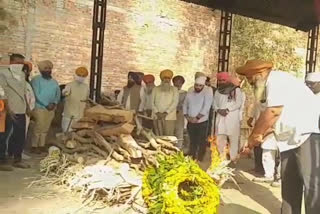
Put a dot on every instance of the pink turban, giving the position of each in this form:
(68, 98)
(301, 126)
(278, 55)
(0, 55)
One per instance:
(223, 76)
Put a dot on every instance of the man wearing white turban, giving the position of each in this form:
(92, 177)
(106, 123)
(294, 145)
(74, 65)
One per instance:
(196, 109)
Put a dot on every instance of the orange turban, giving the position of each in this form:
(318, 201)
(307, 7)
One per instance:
(29, 64)
(253, 67)
(82, 72)
(166, 74)
(149, 78)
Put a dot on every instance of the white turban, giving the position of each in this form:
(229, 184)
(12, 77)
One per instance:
(313, 77)
(201, 80)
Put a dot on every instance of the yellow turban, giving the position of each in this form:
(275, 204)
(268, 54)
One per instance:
(253, 67)
(82, 72)
(166, 74)
(199, 74)
(44, 64)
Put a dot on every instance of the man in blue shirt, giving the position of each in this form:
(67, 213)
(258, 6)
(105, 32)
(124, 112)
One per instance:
(47, 93)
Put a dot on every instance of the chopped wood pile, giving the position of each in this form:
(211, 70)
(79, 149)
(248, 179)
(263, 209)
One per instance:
(108, 136)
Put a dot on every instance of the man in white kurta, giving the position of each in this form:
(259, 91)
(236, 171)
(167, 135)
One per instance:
(76, 93)
(196, 109)
(227, 103)
(146, 100)
(165, 98)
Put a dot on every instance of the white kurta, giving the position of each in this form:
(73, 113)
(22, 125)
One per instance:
(230, 124)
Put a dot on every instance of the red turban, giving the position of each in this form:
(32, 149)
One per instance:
(29, 64)
(223, 76)
(149, 78)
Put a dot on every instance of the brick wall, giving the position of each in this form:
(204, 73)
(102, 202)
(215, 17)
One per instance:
(141, 35)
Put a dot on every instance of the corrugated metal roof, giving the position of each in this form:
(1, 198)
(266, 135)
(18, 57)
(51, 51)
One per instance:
(299, 14)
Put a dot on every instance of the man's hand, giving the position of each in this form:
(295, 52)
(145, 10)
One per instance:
(161, 116)
(192, 119)
(223, 112)
(250, 121)
(51, 107)
(255, 140)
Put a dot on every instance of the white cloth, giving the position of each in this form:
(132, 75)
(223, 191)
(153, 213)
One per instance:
(65, 122)
(201, 80)
(230, 124)
(313, 77)
(146, 100)
(127, 104)
(198, 103)
(234, 144)
(165, 101)
(300, 113)
(269, 162)
(31, 99)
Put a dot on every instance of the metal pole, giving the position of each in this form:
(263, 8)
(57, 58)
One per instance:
(312, 48)
(224, 41)
(98, 27)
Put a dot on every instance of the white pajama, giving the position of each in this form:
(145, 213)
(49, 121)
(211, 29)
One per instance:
(269, 162)
(234, 144)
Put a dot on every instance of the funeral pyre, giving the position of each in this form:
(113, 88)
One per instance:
(105, 155)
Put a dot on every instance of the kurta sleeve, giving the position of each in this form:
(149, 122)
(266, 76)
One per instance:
(174, 103)
(214, 102)
(153, 101)
(236, 105)
(208, 99)
(142, 99)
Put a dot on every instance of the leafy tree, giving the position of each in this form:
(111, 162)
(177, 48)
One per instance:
(255, 39)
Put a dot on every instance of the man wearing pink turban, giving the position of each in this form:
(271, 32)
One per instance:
(228, 101)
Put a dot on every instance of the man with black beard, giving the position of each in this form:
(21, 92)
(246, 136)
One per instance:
(196, 109)
(165, 98)
(47, 93)
(292, 114)
(130, 95)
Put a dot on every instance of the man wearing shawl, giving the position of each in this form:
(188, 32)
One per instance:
(196, 109)
(296, 131)
(228, 100)
(130, 95)
(76, 93)
(165, 98)
(47, 93)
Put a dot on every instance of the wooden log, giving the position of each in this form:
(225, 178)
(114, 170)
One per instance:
(129, 144)
(116, 130)
(152, 141)
(80, 139)
(83, 125)
(167, 145)
(100, 113)
(102, 142)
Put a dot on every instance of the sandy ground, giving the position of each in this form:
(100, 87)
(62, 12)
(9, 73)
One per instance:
(16, 198)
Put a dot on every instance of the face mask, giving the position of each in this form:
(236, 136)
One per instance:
(80, 79)
(16, 68)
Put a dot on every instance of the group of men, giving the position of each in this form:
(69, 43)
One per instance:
(168, 110)
(35, 99)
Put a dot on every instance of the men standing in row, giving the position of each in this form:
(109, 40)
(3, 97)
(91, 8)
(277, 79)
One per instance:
(297, 133)
(130, 96)
(47, 93)
(165, 98)
(227, 103)
(76, 93)
(196, 110)
(178, 82)
(12, 80)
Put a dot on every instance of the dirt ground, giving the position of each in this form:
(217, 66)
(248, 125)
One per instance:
(16, 198)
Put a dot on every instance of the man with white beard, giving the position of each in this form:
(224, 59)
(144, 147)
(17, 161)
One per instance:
(165, 98)
(196, 109)
(292, 114)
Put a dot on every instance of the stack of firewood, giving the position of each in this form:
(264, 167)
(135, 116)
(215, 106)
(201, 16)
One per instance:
(106, 132)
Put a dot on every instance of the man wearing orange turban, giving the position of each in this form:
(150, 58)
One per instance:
(165, 98)
(76, 93)
(296, 132)
(146, 100)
